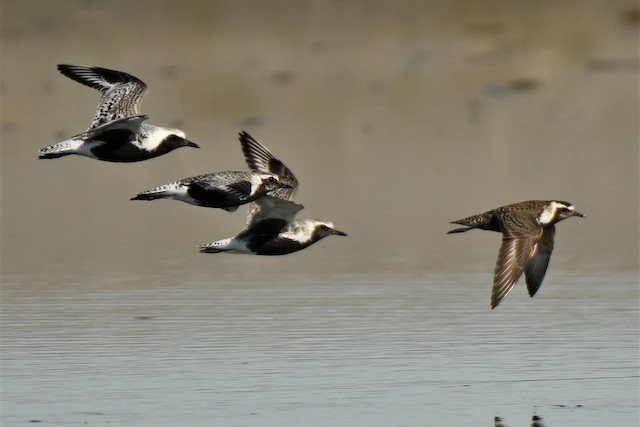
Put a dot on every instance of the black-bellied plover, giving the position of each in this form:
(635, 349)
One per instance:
(226, 190)
(527, 241)
(118, 132)
(271, 227)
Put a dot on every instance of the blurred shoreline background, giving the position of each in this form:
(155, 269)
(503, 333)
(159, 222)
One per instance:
(396, 117)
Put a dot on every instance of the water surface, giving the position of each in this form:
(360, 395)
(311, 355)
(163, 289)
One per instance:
(336, 350)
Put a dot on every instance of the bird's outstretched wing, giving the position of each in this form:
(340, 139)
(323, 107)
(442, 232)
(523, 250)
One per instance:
(270, 215)
(260, 160)
(514, 255)
(130, 123)
(122, 93)
(537, 266)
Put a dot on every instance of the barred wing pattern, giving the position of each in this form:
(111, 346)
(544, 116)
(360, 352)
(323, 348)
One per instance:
(122, 93)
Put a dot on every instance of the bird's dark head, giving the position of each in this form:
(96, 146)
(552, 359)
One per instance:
(272, 182)
(325, 228)
(175, 139)
(556, 211)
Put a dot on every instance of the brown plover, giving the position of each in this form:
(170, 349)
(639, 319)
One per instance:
(527, 241)
(118, 132)
(271, 227)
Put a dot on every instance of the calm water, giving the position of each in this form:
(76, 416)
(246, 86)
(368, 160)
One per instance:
(319, 351)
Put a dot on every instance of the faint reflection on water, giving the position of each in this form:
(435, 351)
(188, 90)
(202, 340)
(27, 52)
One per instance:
(536, 421)
(344, 350)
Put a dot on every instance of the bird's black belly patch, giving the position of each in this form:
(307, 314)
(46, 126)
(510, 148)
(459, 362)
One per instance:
(117, 146)
(207, 197)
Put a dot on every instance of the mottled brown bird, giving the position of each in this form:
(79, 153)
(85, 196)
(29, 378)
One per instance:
(527, 241)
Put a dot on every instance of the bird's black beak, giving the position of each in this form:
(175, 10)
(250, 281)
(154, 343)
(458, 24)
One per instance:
(578, 214)
(188, 143)
(338, 233)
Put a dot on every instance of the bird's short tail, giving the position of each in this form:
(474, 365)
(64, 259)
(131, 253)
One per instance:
(224, 245)
(147, 196)
(482, 221)
(163, 192)
(52, 155)
(58, 150)
(459, 230)
(209, 249)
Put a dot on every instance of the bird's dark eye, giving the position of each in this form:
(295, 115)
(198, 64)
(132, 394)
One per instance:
(272, 179)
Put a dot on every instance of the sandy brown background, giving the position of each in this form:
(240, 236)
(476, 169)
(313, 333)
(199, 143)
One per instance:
(396, 116)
